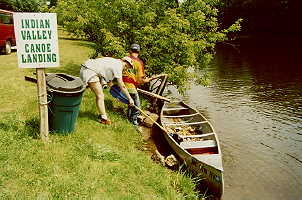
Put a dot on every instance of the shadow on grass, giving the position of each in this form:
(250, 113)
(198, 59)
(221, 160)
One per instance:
(86, 114)
(88, 44)
(70, 38)
(109, 104)
(32, 128)
(20, 129)
(121, 110)
(92, 116)
(8, 127)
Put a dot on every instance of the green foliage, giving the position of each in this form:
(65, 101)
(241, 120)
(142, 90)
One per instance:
(173, 38)
(28, 5)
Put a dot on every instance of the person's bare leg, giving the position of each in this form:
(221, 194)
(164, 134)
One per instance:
(97, 88)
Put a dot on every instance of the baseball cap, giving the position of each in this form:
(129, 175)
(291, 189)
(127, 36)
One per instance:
(135, 47)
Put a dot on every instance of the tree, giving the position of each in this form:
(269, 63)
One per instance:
(174, 38)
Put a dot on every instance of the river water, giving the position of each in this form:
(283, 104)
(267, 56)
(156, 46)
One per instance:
(255, 105)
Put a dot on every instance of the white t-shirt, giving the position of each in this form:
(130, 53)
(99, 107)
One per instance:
(107, 67)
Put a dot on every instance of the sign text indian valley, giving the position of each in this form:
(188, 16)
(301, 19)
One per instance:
(37, 40)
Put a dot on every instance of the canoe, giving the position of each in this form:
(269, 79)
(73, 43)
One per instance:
(194, 141)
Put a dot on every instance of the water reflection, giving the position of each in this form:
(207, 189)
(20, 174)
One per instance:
(255, 105)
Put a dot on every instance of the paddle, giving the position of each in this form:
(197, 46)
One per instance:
(116, 92)
(153, 95)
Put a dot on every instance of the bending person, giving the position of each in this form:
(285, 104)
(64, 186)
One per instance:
(101, 71)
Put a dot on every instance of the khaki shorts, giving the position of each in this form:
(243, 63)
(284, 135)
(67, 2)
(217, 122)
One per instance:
(89, 76)
(94, 79)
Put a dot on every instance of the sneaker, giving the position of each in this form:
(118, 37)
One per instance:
(105, 121)
(135, 123)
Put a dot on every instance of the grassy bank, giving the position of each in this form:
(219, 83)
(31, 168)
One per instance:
(94, 162)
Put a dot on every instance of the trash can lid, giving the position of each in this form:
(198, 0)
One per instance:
(64, 83)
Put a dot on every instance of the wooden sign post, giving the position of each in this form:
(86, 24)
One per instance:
(37, 47)
(43, 108)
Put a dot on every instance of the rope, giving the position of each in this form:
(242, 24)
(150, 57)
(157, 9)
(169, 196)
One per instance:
(47, 102)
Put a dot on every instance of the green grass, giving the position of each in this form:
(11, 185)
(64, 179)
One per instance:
(94, 162)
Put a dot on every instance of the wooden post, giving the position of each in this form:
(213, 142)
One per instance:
(42, 98)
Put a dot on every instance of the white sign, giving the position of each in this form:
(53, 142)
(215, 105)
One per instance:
(37, 40)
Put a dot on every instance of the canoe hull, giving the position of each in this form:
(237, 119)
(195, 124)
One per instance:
(198, 148)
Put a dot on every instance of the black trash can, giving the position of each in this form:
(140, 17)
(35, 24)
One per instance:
(64, 96)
